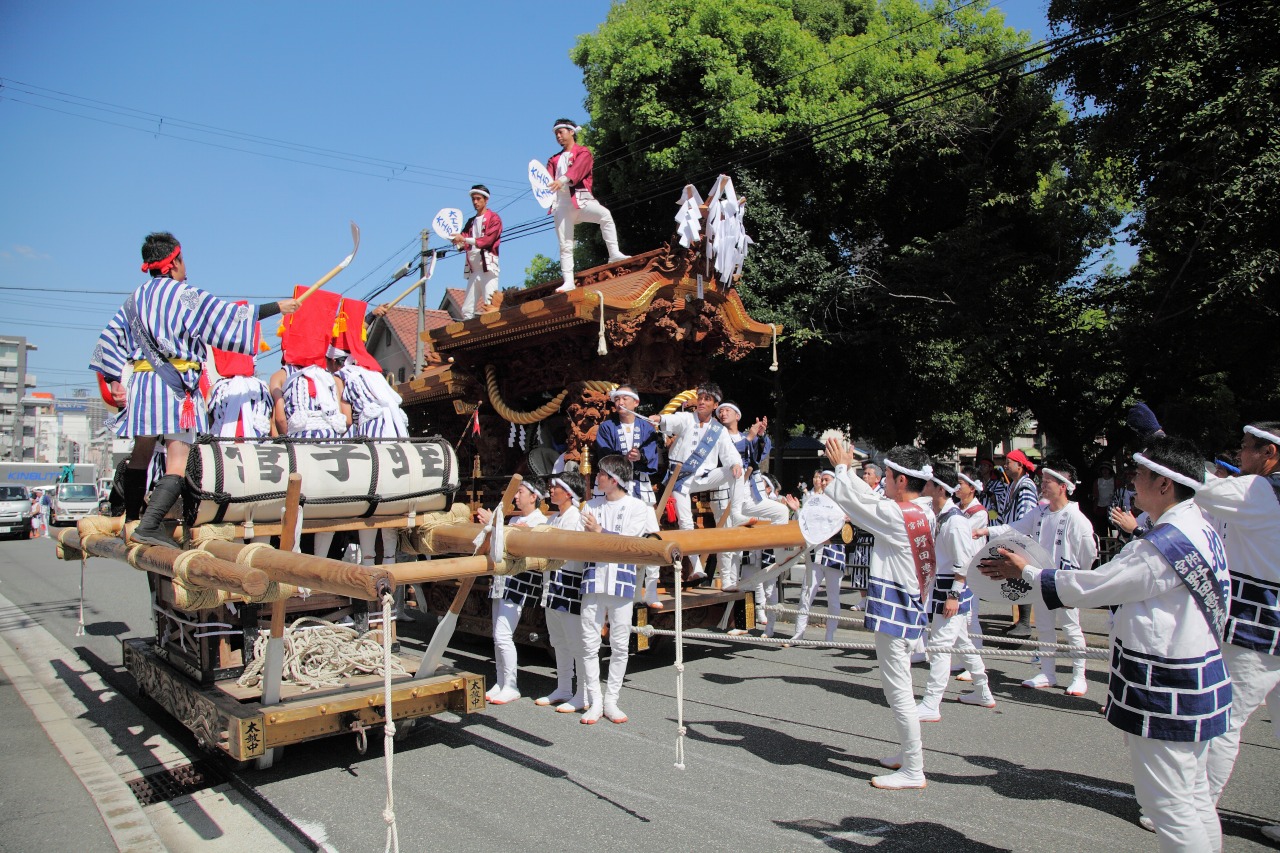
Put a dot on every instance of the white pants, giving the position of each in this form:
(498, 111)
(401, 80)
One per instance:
(816, 576)
(894, 657)
(506, 615)
(480, 287)
(975, 627)
(1255, 678)
(596, 608)
(768, 510)
(953, 633)
(320, 548)
(1068, 619)
(565, 632)
(1171, 782)
(567, 216)
(715, 478)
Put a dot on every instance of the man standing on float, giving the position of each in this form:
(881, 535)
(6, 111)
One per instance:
(571, 178)
(165, 329)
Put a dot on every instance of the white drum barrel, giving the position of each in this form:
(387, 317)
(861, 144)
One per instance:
(235, 481)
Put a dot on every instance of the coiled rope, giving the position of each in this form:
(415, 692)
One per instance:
(319, 653)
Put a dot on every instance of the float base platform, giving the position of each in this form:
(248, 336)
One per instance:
(230, 719)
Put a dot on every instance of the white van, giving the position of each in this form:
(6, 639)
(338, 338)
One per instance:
(15, 511)
(72, 502)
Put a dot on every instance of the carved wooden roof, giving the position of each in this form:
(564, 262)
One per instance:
(661, 328)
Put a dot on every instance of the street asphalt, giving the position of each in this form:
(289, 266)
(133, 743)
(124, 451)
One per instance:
(781, 744)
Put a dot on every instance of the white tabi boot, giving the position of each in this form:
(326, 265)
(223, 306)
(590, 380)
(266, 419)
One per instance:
(1079, 683)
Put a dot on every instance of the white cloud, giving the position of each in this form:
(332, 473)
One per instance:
(28, 252)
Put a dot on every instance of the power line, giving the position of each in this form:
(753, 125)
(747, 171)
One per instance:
(158, 124)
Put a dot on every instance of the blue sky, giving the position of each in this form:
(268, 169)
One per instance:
(414, 102)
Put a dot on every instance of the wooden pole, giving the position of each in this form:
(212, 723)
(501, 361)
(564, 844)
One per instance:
(661, 506)
(367, 583)
(553, 544)
(355, 239)
(712, 540)
(273, 660)
(204, 571)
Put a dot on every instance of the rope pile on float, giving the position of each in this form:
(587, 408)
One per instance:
(319, 653)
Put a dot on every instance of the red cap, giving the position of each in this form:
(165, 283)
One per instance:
(1021, 458)
(348, 333)
(307, 331)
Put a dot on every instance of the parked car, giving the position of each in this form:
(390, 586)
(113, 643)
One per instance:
(72, 502)
(15, 511)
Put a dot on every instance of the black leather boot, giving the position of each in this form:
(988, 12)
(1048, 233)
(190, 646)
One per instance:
(1022, 628)
(134, 490)
(151, 531)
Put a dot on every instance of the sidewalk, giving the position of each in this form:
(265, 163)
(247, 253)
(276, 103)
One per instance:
(71, 763)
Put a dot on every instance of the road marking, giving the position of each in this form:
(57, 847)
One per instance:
(121, 813)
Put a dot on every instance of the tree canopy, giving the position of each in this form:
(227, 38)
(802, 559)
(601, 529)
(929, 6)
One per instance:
(919, 210)
(929, 216)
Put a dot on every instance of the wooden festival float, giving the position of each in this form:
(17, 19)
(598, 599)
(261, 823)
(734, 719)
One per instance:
(538, 371)
(217, 660)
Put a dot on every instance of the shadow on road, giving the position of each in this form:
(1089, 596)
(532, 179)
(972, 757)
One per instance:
(866, 833)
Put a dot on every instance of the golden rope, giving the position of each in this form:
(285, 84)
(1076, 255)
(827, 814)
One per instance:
(679, 400)
(541, 413)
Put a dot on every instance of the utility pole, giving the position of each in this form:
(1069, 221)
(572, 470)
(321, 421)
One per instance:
(422, 302)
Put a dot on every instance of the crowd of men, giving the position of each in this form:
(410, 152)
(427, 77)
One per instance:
(1196, 622)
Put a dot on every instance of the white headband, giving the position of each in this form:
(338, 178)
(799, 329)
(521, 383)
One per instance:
(732, 406)
(556, 481)
(829, 473)
(1180, 479)
(925, 473)
(625, 485)
(477, 191)
(951, 490)
(1061, 478)
(533, 489)
(335, 353)
(977, 487)
(567, 126)
(1262, 434)
(622, 392)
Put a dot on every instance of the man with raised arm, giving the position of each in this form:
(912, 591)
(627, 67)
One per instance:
(902, 564)
(165, 330)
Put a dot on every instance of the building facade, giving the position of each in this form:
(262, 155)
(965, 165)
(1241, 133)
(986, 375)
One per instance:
(17, 434)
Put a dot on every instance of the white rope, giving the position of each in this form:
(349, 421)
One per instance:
(322, 654)
(601, 347)
(1072, 651)
(860, 622)
(681, 731)
(80, 632)
(389, 729)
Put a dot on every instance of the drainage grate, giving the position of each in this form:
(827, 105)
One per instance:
(165, 785)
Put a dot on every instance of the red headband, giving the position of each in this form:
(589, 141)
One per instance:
(165, 264)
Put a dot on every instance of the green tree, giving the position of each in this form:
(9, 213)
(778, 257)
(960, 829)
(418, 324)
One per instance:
(1184, 97)
(919, 207)
(541, 270)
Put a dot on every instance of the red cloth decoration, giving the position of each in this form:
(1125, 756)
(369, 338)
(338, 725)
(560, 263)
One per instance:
(308, 330)
(106, 391)
(234, 363)
(163, 265)
(1021, 458)
(351, 339)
